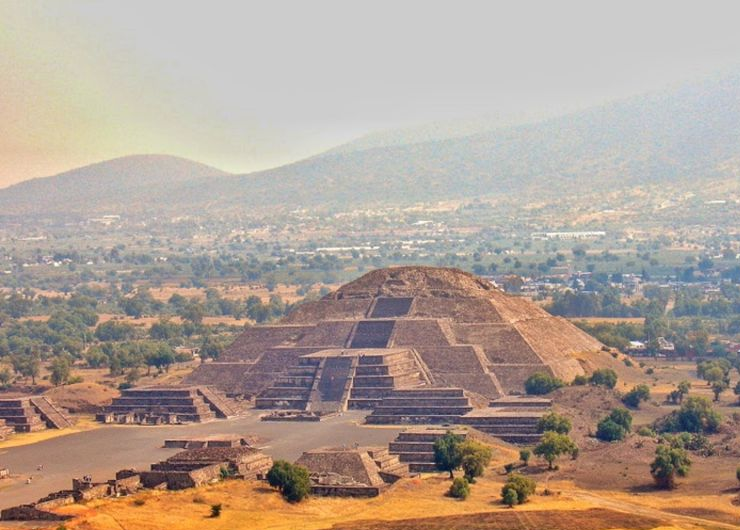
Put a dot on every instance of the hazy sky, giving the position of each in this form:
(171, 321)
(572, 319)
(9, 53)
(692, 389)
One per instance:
(248, 85)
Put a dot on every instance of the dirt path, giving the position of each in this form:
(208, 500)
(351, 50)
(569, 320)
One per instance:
(634, 508)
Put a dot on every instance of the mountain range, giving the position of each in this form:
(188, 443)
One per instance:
(689, 135)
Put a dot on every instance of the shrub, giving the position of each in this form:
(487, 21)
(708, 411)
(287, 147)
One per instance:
(604, 377)
(737, 473)
(215, 510)
(447, 454)
(292, 481)
(554, 422)
(510, 497)
(524, 456)
(646, 431)
(695, 415)
(669, 463)
(580, 380)
(609, 431)
(637, 395)
(139, 502)
(460, 488)
(523, 486)
(553, 445)
(615, 426)
(541, 383)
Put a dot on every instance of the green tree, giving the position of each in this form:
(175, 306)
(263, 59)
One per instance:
(553, 445)
(510, 497)
(6, 377)
(637, 395)
(541, 383)
(475, 458)
(525, 455)
(695, 415)
(604, 377)
(669, 463)
(460, 488)
(554, 422)
(60, 371)
(291, 480)
(523, 486)
(447, 452)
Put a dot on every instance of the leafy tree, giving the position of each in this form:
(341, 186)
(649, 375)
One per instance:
(637, 395)
(460, 488)
(510, 497)
(695, 415)
(736, 390)
(609, 431)
(541, 383)
(26, 365)
(525, 455)
(554, 422)
(523, 486)
(447, 452)
(475, 458)
(6, 377)
(669, 463)
(114, 331)
(60, 371)
(718, 387)
(604, 377)
(553, 445)
(291, 480)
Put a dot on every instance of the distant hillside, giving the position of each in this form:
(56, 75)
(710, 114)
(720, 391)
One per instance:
(113, 185)
(687, 136)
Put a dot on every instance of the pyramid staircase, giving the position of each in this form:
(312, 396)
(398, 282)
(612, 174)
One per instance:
(342, 379)
(421, 406)
(53, 415)
(24, 415)
(390, 467)
(218, 403)
(183, 404)
(291, 391)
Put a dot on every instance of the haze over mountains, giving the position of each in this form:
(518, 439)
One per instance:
(690, 134)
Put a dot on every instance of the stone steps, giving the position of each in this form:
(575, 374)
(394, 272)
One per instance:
(54, 417)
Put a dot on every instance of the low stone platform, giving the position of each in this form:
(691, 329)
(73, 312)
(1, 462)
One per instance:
(415, 447)
(35, 413)
(167, 405)
(421, 406)
(195, 467)
(513, 419)
(220, 440)
(360, 472)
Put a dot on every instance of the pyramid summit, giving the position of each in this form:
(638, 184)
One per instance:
(396, 328)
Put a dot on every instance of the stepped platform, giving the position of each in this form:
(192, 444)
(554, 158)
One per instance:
(360, 472)
(155, 405)
(415, 447)
(332, 380)
(30, 414)
(421, 406)
(513, 419)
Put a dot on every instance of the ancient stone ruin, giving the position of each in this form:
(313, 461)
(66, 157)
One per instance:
(415, 447)
(342, 472)
(217, 460)
(194, 467)
(29, 414)
(378, 340)
(168, 405)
